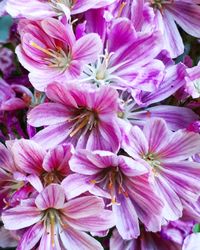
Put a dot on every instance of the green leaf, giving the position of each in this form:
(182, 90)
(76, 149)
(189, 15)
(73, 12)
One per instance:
(5, 24)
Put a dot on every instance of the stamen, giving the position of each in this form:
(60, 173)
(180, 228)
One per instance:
(52, 227)
(122, 5)
(81, 125)
(35, 45)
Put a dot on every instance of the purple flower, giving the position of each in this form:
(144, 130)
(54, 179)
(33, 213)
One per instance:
(123, 182)
(38, 166)
(129, 59)
(57, 224)
(86, 118)
(50, 51)
(175, 178)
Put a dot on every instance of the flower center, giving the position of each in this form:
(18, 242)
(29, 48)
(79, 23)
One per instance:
(52, 177)
(58, 58)
(57, 4)
(84, 120)
(99, 73)
(153, 162)
(112, 180)
(158, 4)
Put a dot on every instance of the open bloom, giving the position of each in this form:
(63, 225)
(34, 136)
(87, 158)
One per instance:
(50, 51)
(41, 9)
(86, 118)
(124, 183)
(175, 178)
(57, 224)
(185, 13)
(38, 166)
(129, 59)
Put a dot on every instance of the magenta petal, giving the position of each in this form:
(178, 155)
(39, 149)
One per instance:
(31, 237)
(76, 240)
(57, 30)
(87, 48)
(76, 184)
(61, 94)
(171, 114)
(84, 207)
(126, 218)
(48, 114)
(135, 143)
(172, 38)
(122, 29)
(52, 196)
(58, 159)
(183, 177)
(172, 209)
(180, 146)
(28, 156)
(156, 132)
(52, 135)
(23, 216)
(146, 202)
(187, 16)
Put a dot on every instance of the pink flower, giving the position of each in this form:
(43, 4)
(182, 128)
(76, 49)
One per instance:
(123, 182)
(38, 166)
(86, 118)
(50, 51)
(129, 59)
(175, 179)
(57, 224)
(185, 13)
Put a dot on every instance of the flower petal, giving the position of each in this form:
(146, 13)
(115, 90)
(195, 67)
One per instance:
(48, 114)
(52, 196)
(28, 156)
(23, 216)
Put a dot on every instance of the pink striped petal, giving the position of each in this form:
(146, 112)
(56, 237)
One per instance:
(87, 48)
(58, 159)
(76, 240)
(31, 237)
(28, 156)
(156, 133)
(52, 196)
(180, 146)
(52, 135)
(22, 216)
(187, 15)
(48, 114)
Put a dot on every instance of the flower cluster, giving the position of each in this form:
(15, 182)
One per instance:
(99, 125)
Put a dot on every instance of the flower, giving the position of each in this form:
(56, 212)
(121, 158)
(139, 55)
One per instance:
(38, 166)
(86, 118)
(128, 60)
(53, 222)
(175, 178)
(50, 51)
(124, 183)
